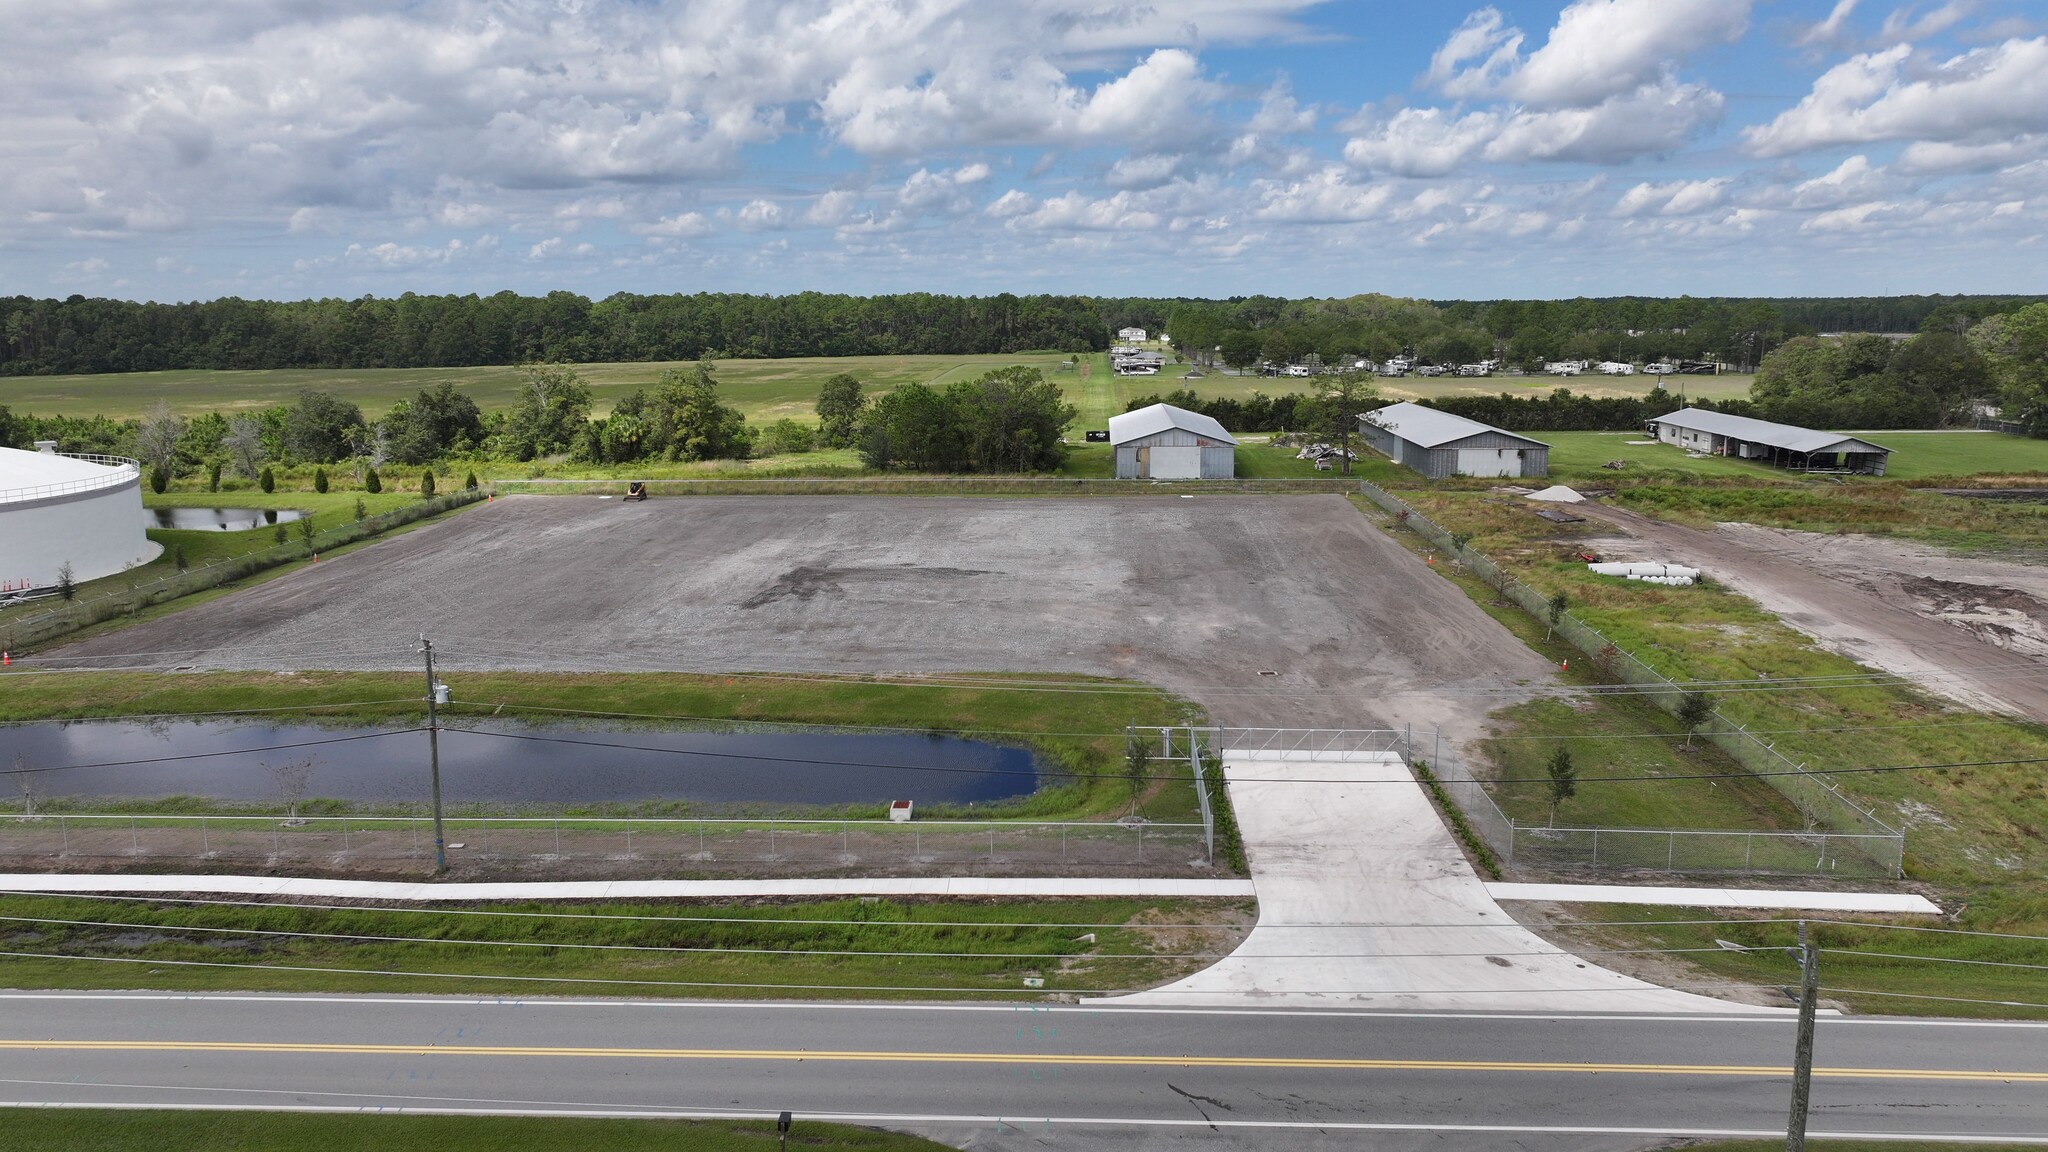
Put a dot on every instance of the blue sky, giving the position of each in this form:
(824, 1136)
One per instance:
(278, 148)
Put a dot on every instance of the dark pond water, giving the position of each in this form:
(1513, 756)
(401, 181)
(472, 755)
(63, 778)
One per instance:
(517, 764)
(217, 519)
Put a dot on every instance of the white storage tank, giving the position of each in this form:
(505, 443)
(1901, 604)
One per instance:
(63, 508)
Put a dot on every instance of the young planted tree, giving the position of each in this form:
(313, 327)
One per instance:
(362, 510)
(1694, 709)
(30, 784)
(469, 481)
(293, 778)
(320, 480)
(307, 532)
(427, 484)
(280, 534)
(66, 586)
(1564, 779)
(267, 481)
(213, 476)
(371, 483)
(1559, 605)
(1137, 760)
(159, 479)
(178, 557)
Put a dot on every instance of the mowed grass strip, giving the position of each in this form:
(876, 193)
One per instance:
(1947, 974)
(151, 1130)
(885, 949)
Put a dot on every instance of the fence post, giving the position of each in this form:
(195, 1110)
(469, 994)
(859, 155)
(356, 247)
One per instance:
(344, 834)
(558, 836)
(1670, 849)
(1596, 845)
(64, 832)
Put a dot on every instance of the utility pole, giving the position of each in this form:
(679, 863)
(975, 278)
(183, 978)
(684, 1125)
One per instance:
(1802, 1060)
(434, 691)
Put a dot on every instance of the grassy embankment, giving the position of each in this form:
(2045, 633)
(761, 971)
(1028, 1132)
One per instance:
(1977, 834)
(849, 948)
(1076, 728)
(123, 1130)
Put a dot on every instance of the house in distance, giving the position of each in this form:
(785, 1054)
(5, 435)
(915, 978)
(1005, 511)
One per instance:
(1439, 444)
(1167, 443)
(1130, 335)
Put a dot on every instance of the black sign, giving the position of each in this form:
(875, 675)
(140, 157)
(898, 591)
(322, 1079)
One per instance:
(1098, 437)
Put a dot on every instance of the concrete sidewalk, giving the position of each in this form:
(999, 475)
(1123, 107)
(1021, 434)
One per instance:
(627, 889)
(1366, 901)
(1878, 903)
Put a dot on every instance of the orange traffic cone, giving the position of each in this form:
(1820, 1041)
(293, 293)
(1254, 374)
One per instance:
(6, 658)
(1566, 666)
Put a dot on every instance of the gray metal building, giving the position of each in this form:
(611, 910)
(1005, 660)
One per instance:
(1439, 444)
(1782, 445)
(1167, 443)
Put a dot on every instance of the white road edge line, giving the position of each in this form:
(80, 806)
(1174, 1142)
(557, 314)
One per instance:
(1025, 1123)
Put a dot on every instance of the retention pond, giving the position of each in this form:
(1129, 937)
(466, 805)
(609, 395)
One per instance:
(508, 763)
(217, 519)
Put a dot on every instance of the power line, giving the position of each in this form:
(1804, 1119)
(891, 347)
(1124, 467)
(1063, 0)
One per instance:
(152, 717)
(520, 914)
(1936, 959)
(835, 953)
(205, 755)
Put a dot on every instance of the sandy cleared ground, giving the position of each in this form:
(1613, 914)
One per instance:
(1971, 629)
(1199, 596)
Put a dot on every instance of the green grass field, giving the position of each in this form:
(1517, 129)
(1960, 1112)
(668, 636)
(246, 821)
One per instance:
(766, 390)
(1579, 455)
(826, 949)
(123, 1130)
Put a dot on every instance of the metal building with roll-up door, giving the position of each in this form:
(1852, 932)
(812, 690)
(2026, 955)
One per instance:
(1167, 443)
(1439, 444)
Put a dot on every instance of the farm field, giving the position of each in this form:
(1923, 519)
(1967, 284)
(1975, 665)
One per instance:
(766, 390)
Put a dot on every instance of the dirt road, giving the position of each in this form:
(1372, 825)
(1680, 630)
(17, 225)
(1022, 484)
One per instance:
(1972, 630)
(1201, 596)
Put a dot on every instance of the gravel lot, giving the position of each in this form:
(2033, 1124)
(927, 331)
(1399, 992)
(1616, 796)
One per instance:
(1198, 595)
(1970, 628)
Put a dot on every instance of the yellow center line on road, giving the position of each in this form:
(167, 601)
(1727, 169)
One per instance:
(1098, 1059)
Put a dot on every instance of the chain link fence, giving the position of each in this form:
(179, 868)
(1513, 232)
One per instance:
(46, 618)
(736, 846)
(1817, 799)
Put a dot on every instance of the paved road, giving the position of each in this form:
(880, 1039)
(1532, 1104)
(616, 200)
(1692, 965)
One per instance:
(1080, 1076)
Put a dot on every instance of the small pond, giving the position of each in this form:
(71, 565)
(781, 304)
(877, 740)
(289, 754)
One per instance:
(217, 519)
(509, 763)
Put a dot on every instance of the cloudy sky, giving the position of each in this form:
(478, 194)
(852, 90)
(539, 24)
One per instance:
(290, 148)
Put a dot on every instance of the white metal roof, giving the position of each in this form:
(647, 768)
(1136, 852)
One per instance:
(1125, 427)
(34, 475)
(1428, 427)
(1787, 436)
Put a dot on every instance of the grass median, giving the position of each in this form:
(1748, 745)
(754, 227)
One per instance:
(150, 1130)
(843, 949)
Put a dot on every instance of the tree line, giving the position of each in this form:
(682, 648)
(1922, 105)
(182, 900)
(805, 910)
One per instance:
(1006, 420)
(88, 335)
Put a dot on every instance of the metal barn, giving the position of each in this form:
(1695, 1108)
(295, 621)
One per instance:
(1782, 445)
(1439, 444)
(1167, 443)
